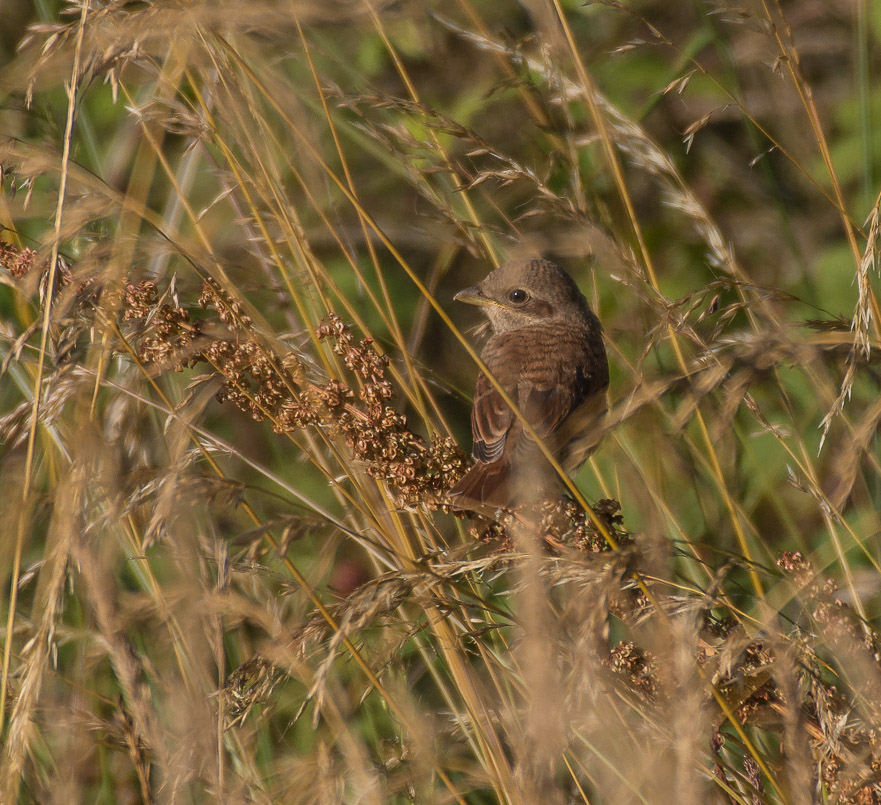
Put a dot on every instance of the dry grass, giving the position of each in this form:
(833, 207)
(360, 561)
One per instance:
(231, 401)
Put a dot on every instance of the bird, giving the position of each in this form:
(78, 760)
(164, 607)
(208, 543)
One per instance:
(547, 352)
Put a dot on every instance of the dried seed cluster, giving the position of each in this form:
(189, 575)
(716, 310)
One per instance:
(17, 262)
(849, 753)
(638, 667)
(21, 262)
(248, 686)
(840, 625)
(266, 387)
(378, 435)
(562, 524)
(169, 339)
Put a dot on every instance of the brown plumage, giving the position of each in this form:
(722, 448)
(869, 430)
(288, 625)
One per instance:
(547, 352)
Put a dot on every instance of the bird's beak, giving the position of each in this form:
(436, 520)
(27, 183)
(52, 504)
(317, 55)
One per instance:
(473, 296)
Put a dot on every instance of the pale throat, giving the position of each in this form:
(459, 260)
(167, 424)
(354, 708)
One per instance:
(504, 320)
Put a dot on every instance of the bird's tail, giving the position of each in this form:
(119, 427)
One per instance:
(483, 489)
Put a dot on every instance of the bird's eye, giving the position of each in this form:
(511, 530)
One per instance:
(518, 296)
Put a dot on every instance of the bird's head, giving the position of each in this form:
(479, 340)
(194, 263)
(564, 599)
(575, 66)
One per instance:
(521, 293)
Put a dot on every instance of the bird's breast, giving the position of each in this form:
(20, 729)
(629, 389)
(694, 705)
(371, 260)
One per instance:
(543, 353)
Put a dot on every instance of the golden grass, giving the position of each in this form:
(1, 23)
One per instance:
(230, 410)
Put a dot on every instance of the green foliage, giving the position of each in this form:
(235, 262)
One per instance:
(228, 569)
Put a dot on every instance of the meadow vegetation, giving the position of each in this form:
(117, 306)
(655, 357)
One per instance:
(234, 389)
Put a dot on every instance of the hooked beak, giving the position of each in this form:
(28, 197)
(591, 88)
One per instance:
(474, 296)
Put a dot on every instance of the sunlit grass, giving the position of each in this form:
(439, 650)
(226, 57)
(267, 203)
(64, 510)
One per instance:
(229, 572)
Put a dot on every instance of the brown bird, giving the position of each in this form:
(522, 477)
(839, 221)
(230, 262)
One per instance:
(547, 352)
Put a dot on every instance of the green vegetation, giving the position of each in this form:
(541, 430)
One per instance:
(230, 410)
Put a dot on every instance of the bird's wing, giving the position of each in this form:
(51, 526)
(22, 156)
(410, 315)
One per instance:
(491, 419)
(560, 372)
(546, 406)
(535, 383)
(557, 381)
(548, 397)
